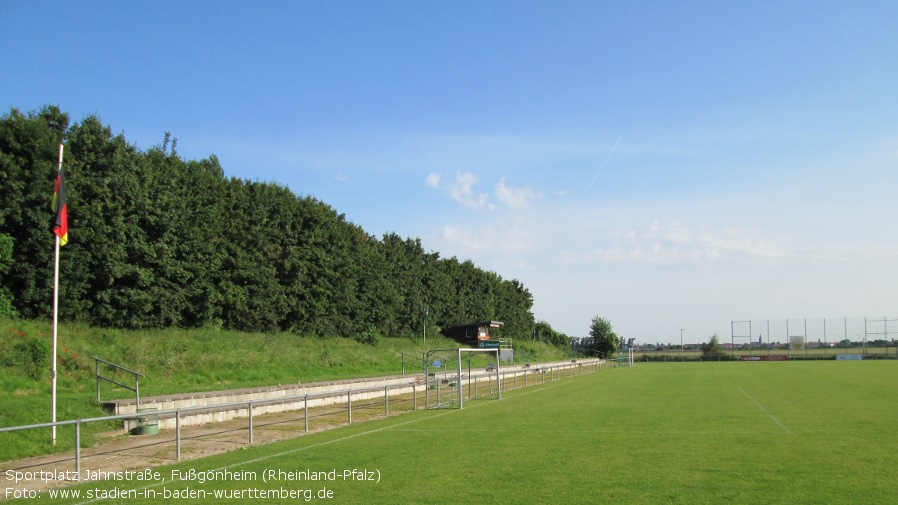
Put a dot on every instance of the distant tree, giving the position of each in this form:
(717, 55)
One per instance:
(544, 332)
(713, 347)
(580, 345)
(844, 344)
(604, 340)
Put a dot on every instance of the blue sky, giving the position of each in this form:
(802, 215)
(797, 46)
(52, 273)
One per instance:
(663, 164)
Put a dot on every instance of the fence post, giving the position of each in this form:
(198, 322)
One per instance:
(250, 422)
(305, 406)
(97, 375)
(415, 395)
(178, 431)
(349, 403)
(386, 403)
(78, 449)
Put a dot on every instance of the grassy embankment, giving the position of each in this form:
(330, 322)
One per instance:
(173, 361)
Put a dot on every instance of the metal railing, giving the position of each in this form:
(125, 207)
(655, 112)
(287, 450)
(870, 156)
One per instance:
(484, 381)
(99, 377)
(530, 376)
(418, 362)
(249, 405)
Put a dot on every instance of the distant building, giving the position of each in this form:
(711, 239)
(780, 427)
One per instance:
(471, 334)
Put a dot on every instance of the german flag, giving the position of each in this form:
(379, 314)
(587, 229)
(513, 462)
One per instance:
(61, 208)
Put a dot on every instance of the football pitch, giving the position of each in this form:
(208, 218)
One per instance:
(791, 432)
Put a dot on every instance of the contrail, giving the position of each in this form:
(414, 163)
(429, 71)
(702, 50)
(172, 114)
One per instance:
(603, 164)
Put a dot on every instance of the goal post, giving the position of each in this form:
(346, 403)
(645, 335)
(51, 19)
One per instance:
(461, 400)
(450, 383)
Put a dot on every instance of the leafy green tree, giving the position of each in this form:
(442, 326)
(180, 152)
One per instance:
(159, 241)
(713, 347)
(28, 163)
(544, 332)
(6, 302)
(604, 340)
(103, 270)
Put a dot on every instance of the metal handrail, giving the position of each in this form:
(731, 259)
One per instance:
(217, 406)
(249, 404)
(136, 387)
(418, 362)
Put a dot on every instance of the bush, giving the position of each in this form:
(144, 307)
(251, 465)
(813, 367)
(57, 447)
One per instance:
(33, 356)
(370, 336)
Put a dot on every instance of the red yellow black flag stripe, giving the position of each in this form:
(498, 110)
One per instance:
(61, 208)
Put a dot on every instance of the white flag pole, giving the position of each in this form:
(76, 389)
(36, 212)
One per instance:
(55, 319)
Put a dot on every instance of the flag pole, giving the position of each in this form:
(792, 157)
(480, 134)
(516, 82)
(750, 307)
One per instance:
(55, 321)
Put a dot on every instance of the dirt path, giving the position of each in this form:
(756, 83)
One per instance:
(118, 451)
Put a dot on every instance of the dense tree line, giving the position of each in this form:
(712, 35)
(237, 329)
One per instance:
(159, 241)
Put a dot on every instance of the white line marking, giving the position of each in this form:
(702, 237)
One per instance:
(771, 416)
(586, 432)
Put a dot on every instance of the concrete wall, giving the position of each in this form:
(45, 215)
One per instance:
(278, 398)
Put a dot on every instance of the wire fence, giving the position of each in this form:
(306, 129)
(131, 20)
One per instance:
(347, 406)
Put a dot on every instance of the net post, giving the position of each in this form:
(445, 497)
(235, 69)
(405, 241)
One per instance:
(461, 400)
(498, 378)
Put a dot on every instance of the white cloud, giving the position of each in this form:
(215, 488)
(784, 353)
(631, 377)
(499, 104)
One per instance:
(663, 243)
(496, 238)
(515, 198)
(676, 243)
(461, 189)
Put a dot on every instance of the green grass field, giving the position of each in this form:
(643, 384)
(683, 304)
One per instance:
(798, 432)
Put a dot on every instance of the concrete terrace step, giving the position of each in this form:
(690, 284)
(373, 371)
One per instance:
(362, 388)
